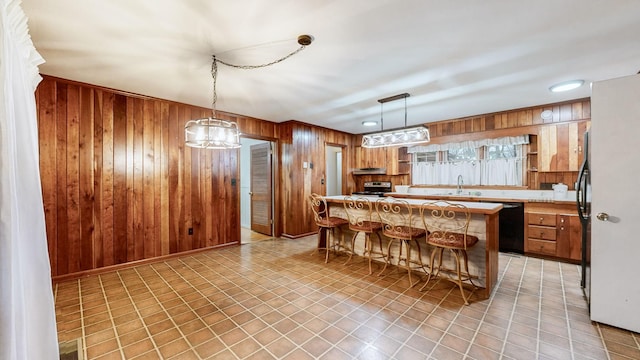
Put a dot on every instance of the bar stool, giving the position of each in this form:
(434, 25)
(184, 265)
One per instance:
(328, 224)
(360, 213)
(448, 226)
(397, 224)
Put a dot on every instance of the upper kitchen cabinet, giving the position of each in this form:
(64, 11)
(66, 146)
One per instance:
(560, 147)
(398, 161)
(395, 159)
(371, 157)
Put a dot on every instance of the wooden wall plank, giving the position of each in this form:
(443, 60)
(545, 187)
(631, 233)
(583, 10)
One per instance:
(98, 177)
(85, 176)
(121, 193)
(174, 184)
(108, 142)
(130, 176)
(62, 219)
(148, 186)
(164, 219)
(73, 179)
(47, 134)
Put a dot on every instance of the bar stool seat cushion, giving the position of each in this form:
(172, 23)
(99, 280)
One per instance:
(366, 226)
(331, 221)
(451, 240)
(404, 232)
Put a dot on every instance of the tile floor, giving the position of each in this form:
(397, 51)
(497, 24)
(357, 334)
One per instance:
(273, 300)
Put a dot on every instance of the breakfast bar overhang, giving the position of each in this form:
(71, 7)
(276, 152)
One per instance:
(483, 258)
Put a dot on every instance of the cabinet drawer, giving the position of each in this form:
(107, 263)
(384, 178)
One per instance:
(542, 219)
(542, 232)
(541, 246)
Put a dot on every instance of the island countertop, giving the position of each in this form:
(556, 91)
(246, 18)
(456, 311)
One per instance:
(475, 207)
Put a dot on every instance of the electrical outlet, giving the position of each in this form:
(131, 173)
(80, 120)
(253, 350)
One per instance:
(190, 231)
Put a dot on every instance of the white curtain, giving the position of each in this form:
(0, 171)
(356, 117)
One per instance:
(473, 144)
(481, 172)
(27, 313)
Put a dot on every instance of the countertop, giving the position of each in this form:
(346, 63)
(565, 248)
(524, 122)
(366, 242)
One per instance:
(477, 207)
(473, 195)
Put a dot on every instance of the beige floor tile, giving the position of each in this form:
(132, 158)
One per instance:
(273, 300)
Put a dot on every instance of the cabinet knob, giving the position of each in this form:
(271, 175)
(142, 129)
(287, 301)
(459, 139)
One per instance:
(541, 219)
(562, 220)
(541, 233)
(562, 228)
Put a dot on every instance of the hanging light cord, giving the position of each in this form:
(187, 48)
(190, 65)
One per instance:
(214, 71)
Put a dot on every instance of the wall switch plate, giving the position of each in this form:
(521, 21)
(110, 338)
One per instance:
(305, 165)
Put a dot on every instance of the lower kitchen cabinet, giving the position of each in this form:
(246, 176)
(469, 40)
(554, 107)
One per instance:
(552, 229)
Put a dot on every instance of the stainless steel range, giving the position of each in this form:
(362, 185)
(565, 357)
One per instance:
(375, 188)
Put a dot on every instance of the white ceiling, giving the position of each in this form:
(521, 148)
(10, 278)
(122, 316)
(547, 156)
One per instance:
(455, 58)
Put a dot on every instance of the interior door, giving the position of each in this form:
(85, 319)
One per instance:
(261, 189)
(615, 245)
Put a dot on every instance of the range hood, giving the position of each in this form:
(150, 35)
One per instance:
(370, 171)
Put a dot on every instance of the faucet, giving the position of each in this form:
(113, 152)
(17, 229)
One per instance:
(459, 188)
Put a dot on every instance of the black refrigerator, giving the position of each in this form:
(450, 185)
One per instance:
(583, 200)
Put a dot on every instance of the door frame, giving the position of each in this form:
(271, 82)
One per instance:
(343, 171)
(276, 187)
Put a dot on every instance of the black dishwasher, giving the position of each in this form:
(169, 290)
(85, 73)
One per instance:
(512, 228)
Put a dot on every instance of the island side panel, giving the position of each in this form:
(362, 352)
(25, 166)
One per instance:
(492, 235)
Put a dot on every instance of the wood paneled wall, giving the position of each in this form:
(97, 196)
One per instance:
(305, 143)
(118, 183)
(521, 118)
(120, 186)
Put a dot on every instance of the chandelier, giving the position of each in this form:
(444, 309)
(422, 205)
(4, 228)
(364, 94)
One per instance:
(214, 133)
(399, 137)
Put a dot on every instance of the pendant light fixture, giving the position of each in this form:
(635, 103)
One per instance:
(400, 137)
(214, 133)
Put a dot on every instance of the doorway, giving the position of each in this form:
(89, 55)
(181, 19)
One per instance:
(256, 190)
(333, 170)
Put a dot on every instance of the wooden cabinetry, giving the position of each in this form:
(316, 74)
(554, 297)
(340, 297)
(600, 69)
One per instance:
(532, 163)
(371, 157)
(395, 159)
(560, 147)
(552, 230)
(398, 161)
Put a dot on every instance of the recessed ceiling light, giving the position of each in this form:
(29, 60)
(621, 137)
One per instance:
(369, 123)
(566, 86)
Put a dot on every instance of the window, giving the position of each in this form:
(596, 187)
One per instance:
(500, 152)
(431, 157)
(462, 154)
(485, 162)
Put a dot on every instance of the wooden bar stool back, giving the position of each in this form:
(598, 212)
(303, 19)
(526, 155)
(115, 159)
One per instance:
(448, 226)
(326, 223)
(398, 224)
(360, 211)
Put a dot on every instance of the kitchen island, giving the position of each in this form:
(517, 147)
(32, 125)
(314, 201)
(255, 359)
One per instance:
(483, 257)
